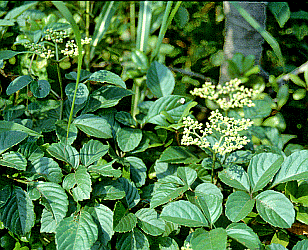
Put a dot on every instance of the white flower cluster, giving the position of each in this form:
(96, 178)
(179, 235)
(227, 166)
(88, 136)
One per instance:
(71, 48)
(186, 247)
(231, 95)
(227, 127)
(55, 36)
(40, 49)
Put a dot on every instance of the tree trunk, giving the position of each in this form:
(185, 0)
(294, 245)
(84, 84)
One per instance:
(240, 36)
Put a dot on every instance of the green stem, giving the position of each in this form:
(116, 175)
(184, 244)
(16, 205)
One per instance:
(132, 21)
(135, 99)
(60, 82)
(213, 167)
(87, 47)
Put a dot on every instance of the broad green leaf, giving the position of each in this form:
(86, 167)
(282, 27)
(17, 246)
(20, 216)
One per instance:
(94, 126)
(281, 12)
(178, 154)
(125, 118)
(301, 245)
(128, 138)
(92, 151)
(167, 243)
(18, 213)
(61, 131)
(235, 176)
(167, 107)
(8, 54)
(55, 200)
(66, 153)
(293, 168)
(6, 126)
(244, 235)
(14, 160)
(275, 246)
(184, 213)
(131, 192)
(48, 222)
(18, 83)
(103, 76)
(160, 80)
(103, 217)
(126, 223)
(77, 233)
(15, 12)
(82, 93)
(46, 168)
(238, 206)
(215, 239)
(282, 95)
(138, 170)
(149, 221)
(261, 109)
(187, 174)
(10, 138)
(275, 209)
(109, 190)
(5, 192)
(262, 168)
(84, 74)
(134, 240)
(79, 183)
(40, 88)
(105, 170)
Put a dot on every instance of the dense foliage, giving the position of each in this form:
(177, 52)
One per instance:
(114, 133)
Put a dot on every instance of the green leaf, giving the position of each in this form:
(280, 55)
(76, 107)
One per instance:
(275, 209)
(92, 151)
(77, 233)
(94, 126)
(184, 213)
(167, 243)
(128, 138)
(10, 138)
(235, 176)
(55, 201)
(172, 105)
(299, 94)
(126, 223)
(238, 206)
(125, 118)
(18, 213)
(14, 160)
(244, 235)
(15, 12)
(6, 126)
(61, 131)
(261, 109)
(134, 240)
(66, 153)
(79, 183)
(187, 174)
(262, 168)
(275, 246)
(31, 151)
(103, 217)
(138, 170)
(281, 12)
(131, 192)
(105, 170)
(298, 81)
(109, 190)
(46, 168)
(103, 76)
(18, 83)
(149, 222)
(160, 80)
(215, 239)
(40, 88)
(84, 74)
(82, 93)
(301, 245)
(178, 154)
(8, 54)
(293, 168)
(282, 95)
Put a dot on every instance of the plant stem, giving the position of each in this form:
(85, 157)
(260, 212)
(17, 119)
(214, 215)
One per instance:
(132, 21)
(87, 47)
(213, 167)
(135, 99)
(60, 82)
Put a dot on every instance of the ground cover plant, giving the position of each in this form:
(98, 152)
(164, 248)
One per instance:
(115, 132)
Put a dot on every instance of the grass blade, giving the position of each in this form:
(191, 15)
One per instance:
(144, 25)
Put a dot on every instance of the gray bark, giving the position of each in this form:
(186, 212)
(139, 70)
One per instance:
(240, 36)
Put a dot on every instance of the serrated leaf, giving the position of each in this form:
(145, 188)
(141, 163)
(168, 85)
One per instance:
(131, 192)
(109, 190)
(293, 168)
(134, 240)
(77, 233)
(301, 245)
(275, 209)
(215, 239)
(160, 80)
(14, 160)
(107, 76)
(244, 235)
(126, 223)
(103, 217)
(92, 151)
(18, 83)
(178, 154)
(40, 88)
(79, 183)
(61, 131)
(18, 213)
(137, 170)
(149, 221)
(262, 169)
(81, 95)
(94, 126)
(184, 213)
(105, 170)
(10, 138)
(235, 176)
(48, 223)
(187, 174)
(66, 153)
(46, 168)
(31, 151)
(238, 206)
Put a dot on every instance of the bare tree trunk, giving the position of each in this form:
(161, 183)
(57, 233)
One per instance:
(240, 37)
